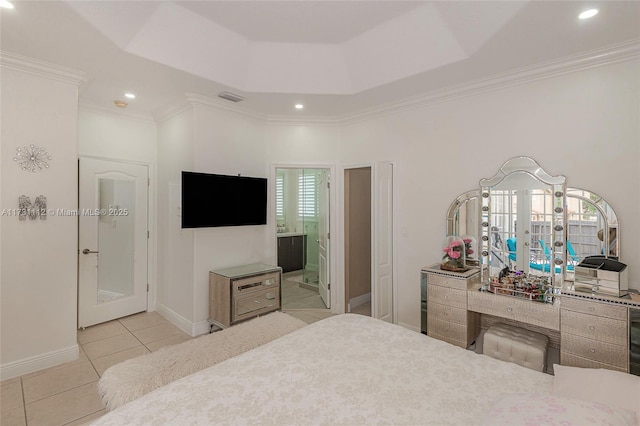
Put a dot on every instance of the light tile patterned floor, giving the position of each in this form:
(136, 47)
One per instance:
(67, 394)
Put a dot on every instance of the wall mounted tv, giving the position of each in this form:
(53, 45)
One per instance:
(210, 200)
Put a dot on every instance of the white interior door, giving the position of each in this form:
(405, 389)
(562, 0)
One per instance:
(382, 224)
(112, 251)
(323, 237)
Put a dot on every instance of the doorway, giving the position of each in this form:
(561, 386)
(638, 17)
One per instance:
(369, 259)
(357, 240)
(302, 235)
(112, 240)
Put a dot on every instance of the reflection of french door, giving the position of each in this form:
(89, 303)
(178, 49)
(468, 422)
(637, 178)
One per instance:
(112, 251)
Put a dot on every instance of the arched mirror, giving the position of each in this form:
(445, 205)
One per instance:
(526, 219)
(589, 220)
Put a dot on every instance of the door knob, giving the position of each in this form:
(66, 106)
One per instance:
(87, 251)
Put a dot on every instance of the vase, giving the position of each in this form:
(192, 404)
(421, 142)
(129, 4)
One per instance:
(453, 255)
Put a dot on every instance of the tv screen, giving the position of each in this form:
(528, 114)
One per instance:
(210, 200)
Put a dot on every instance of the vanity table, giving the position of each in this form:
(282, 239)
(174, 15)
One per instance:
(528, 220)
(591, 331)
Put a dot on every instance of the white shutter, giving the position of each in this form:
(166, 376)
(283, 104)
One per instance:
(280, 196)
(308, 195)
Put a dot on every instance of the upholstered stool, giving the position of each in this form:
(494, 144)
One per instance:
(517, 345)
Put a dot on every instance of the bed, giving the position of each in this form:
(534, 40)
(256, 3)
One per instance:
(346, 369)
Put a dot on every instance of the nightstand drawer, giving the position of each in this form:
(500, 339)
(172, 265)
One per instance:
(593, 327)
(577, 361)
(594, 308)
(443, 281)
(446, 328)
(255, 303)
(595, 350)
(447, 296)
(447, 313)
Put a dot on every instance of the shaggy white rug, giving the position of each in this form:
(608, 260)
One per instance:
(135, 377)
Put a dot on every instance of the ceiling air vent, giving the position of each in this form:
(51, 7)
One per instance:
(230, 96)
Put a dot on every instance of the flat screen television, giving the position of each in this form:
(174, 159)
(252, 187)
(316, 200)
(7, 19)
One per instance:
(211, 200)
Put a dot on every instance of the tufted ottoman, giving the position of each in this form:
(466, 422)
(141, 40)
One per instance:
(517, 345)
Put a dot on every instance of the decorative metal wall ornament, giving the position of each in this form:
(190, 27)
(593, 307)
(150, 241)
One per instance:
(32, 158)
(39, 208)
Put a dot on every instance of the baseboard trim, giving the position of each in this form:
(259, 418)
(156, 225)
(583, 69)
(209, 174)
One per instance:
(359, 300)
(38, 362)
(191, 328)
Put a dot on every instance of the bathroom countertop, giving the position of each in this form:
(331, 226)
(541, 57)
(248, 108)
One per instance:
(289, 234)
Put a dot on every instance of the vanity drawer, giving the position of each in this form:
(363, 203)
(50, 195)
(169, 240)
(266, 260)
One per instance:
(447, 313)
(571, 360)
(593, 327)
(450, 330)
(595, 350)
(595, 308)
(447, 296)
(534, 313)
(443, 281)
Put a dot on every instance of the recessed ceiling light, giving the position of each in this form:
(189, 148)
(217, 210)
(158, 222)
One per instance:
(299, 106)
(590, 13)
(6, 4)
(130, 95)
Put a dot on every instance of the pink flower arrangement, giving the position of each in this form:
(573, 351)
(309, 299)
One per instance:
(453, 256)
(467, 245)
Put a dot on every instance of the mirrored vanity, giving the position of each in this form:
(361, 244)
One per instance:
(538, 239)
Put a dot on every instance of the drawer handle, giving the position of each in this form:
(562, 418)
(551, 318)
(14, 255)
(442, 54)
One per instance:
(256, 301)
(593, 351)
(509, 309)
(591, 328)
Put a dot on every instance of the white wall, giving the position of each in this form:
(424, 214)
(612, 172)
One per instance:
(175, 297)
(39, 257)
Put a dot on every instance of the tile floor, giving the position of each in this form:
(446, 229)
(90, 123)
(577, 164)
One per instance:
(299, 296)
(67, 394)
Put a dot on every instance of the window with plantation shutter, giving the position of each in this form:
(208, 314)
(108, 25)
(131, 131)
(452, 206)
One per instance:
(308, 195)
(280, 196)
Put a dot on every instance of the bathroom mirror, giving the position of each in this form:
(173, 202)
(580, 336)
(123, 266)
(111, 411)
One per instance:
(558, 226)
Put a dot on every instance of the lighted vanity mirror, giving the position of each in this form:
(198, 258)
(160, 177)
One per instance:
(526, 219)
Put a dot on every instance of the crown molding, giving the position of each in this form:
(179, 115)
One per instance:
(620, 52)
(41, 68)
(193, 100)
(173, 109)
(116, 112)
(197, 100)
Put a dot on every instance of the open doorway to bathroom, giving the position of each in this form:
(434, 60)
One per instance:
(302, 231)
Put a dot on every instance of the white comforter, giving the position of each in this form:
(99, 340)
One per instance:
(347, 369)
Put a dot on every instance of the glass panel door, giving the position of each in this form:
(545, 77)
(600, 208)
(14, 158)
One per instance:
(116, 243)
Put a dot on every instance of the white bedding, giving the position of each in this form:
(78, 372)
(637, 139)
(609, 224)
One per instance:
(347, 369)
